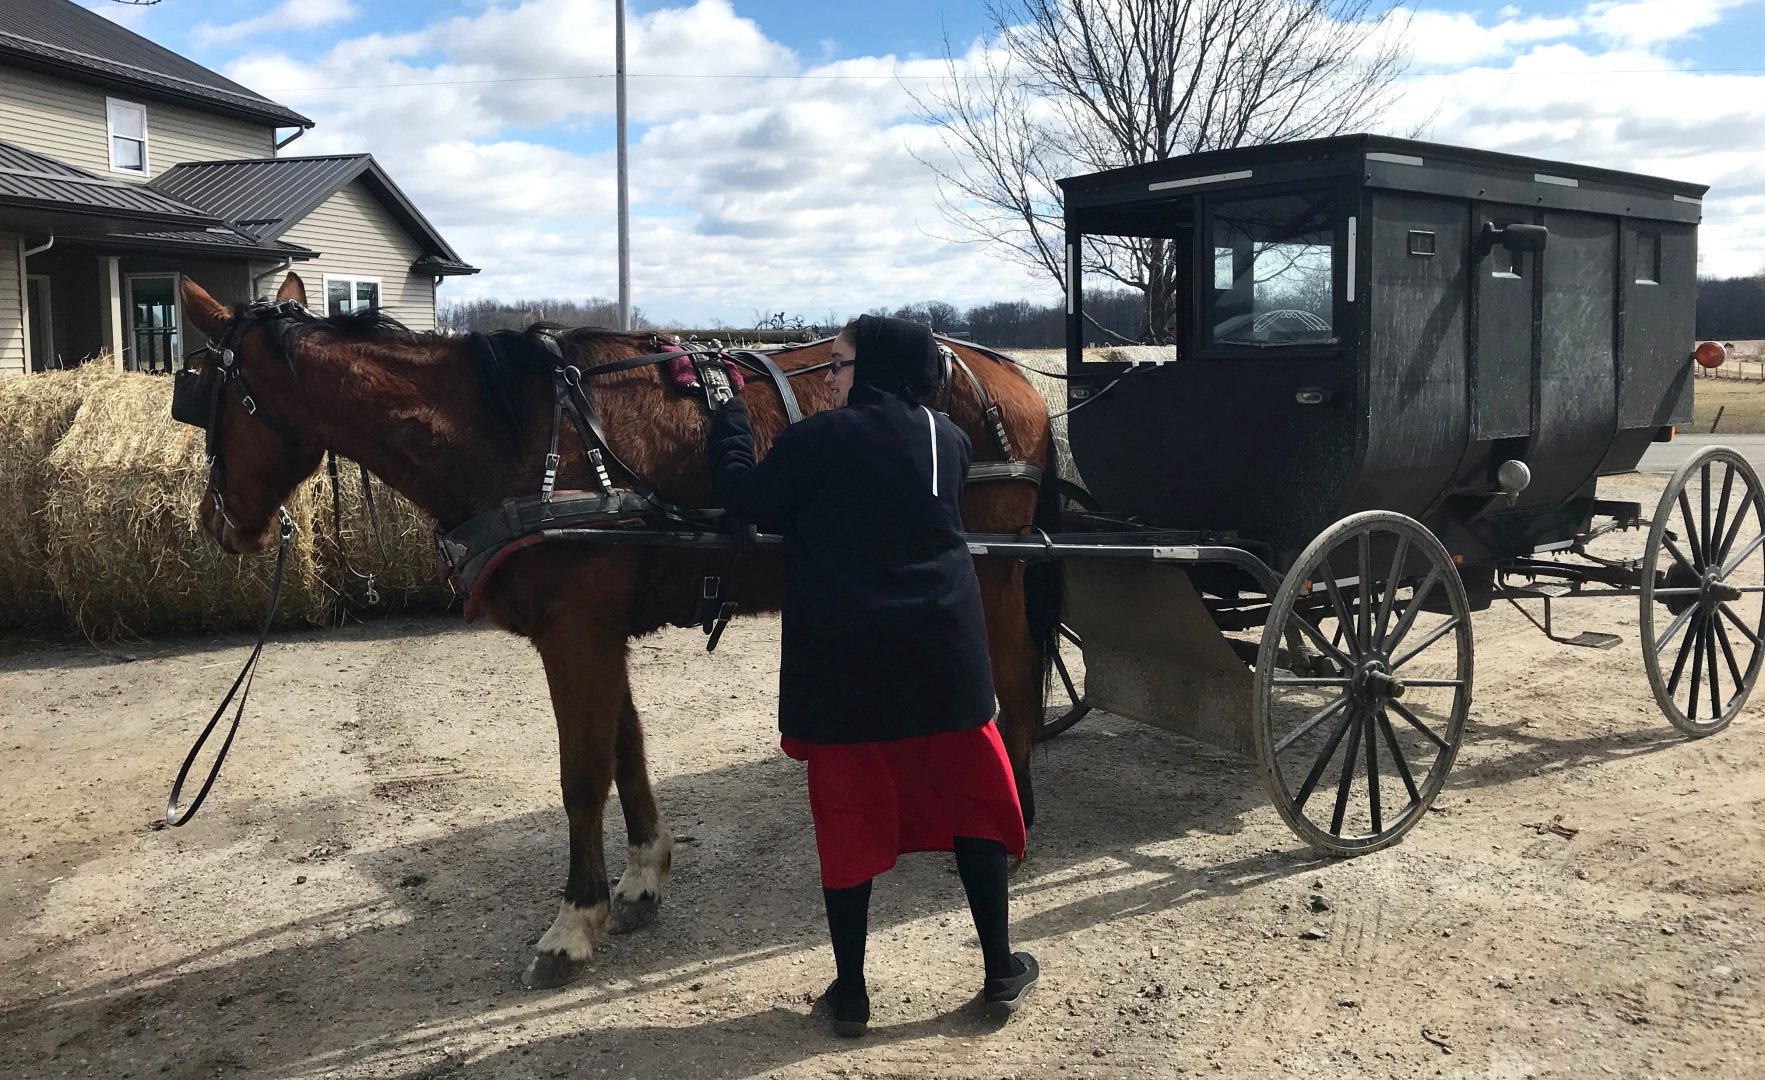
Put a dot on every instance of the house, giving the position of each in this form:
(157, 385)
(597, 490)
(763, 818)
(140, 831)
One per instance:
(124, 166)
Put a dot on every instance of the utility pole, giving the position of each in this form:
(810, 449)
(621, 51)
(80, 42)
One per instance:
(624, 192)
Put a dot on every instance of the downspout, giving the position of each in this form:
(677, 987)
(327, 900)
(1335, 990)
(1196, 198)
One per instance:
(277, 269)
(298, 132)
(28, 252)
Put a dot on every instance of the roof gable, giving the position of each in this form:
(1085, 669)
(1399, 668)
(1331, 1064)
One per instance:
(62, 37)
(266, 197)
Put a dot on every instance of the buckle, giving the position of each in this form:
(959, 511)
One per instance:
(713, 588)
(250, 404)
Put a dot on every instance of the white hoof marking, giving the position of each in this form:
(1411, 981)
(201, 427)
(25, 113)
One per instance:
(576, 929)
(646, 870)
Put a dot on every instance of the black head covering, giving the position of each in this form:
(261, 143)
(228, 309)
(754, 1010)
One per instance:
(897, 356)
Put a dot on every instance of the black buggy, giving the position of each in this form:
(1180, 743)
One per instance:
(1397, 372)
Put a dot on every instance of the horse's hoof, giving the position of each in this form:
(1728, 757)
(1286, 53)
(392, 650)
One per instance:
(629, 915)
(550, 970)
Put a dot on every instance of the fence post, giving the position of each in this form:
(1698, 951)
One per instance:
(1720, 409)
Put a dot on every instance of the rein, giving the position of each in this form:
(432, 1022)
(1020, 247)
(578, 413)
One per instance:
(175, 814)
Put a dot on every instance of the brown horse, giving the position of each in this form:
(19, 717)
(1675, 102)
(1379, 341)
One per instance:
(421, 412)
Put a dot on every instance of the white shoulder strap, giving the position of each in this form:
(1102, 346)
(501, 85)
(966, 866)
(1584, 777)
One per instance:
(931, 424)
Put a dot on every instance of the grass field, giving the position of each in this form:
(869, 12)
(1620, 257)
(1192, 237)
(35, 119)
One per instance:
(1742, 407)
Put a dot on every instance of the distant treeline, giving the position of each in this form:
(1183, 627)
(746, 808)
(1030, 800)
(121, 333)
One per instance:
(1019, 324)
(1728, 309)
(1731, 308)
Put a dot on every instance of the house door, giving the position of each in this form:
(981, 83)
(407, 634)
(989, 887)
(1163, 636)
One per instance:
(42, 319)
(153, 323)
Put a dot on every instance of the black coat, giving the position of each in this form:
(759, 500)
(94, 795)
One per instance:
(884, 636)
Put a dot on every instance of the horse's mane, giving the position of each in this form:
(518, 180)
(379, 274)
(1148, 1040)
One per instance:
(506, 358)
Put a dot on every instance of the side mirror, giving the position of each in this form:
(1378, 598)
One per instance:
(1515, 237)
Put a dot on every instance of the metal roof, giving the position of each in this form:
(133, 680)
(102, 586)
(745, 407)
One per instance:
(62, 37)
(264, 198)
(219, 240)
(33, 180)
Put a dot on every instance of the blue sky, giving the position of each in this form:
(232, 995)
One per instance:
(805, 193)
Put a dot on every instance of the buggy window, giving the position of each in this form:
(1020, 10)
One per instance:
(1273, 273)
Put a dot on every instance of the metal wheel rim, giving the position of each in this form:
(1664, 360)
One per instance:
(1714, 628)
(1418, 548)
(1059, 718)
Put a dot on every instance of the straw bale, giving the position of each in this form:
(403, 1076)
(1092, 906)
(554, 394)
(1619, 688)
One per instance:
(399, 554)
(126, 551)
(35, 412)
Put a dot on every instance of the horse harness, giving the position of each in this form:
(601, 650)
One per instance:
(471, 552)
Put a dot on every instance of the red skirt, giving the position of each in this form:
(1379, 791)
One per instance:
(875, 801)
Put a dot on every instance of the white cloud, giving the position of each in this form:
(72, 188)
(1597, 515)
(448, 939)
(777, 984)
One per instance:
(1633, 23)
(1454, 39)
(804, 194)
(289, 15)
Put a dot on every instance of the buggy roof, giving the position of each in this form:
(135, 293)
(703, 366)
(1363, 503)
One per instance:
(1379, 161)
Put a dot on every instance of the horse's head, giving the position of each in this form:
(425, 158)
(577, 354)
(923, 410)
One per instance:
(260, 439)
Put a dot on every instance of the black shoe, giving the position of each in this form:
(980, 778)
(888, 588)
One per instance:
(848, 1015)
(1000, 998)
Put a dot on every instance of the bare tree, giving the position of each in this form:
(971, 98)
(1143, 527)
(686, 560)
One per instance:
(1074, 86)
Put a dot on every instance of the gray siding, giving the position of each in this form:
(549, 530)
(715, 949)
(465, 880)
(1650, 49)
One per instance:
(68, 121)
(358, 237)
(12, 308)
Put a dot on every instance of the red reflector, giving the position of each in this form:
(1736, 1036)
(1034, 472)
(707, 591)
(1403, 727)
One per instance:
(1710, 354)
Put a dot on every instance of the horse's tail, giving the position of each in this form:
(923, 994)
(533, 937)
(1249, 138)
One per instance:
(1043, 588)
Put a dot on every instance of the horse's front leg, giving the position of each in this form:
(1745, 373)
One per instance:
(638, 896)
(585, 670)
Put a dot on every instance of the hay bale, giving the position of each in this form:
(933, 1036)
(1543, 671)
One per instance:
(35, 412)
(399, 554)
(126, 552)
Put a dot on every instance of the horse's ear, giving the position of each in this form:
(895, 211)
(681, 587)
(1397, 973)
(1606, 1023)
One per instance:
(204, 312)
(292, 289)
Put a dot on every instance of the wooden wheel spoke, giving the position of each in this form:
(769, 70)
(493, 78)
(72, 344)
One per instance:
(1397, 758)
(1748, 501)
(1704, 505)
(1347, 777)
(1312, 680)
(1356, 647)
(1373, 777)
(1679, 556)
(1697, 665)
(1067, 633)
(1412, 609)
(1717, 551)
(1728, 612)
(1365, 613)
(1416, 722)
(1311, 722)
(1693, 541)
(1734, 564)
(1675, 627)
(1715, 675)
(1072, 693)
(1317, 636)
(1684, 651)
(1433, 635)
(1318, 766)
(1728, 652)
(1392, 580)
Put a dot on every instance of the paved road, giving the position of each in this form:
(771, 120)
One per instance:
(1665, 457)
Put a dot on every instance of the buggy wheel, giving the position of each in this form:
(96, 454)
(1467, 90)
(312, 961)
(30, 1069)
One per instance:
(1065, 704)
(1702, 615)
(1354, 750)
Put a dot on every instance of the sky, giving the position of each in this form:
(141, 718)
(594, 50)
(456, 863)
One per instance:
(777, 163)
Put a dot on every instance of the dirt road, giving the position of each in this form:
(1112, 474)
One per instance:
(361, 893)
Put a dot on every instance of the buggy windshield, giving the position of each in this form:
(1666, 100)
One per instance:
(1271, 281)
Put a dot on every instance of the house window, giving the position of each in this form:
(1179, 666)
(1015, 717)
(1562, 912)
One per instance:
(350, 294)
(128, 136)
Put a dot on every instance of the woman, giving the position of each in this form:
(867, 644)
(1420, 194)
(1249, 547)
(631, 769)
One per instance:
(884, 683)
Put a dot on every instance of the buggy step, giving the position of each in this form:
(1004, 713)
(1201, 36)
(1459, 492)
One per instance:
(1593, 639)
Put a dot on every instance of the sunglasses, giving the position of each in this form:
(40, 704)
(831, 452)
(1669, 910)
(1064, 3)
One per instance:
(834, 367)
